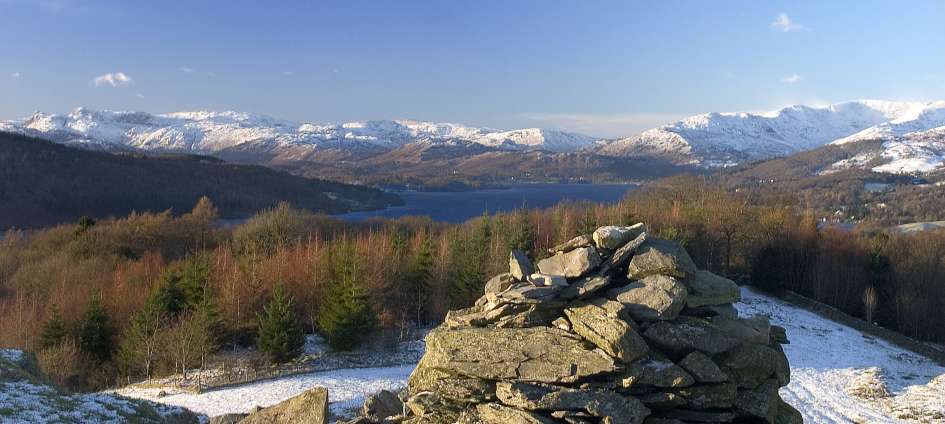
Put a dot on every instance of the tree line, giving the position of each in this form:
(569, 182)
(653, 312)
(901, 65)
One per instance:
(152, 294)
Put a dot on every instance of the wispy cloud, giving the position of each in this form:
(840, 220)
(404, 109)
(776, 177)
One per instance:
(186, 69)
(602, 125)
(791, 79)
(139, 95)
(113, 79)
(784, 23)
(288, 73)
(16, 75)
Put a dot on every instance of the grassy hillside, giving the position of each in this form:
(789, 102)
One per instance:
(43, 183)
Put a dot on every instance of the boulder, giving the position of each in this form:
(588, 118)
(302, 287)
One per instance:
(310, 407)
(585, 286)
(710, 289)
(605, 330)
(724, 311)
(493, 413)
(613, 237)
(715, 396)
(519, 265)
(540, 354)
(750, 365)
(227, 418)
(661, 257)
(571, 264)
(499, 283)
(656, 297)
(684, 335)
(463, 390)
(654, 371)
(545, 280)
(583, 240)
(381, 405)
(662, 401)
(606, 405)
(702, 368)
(622, 255)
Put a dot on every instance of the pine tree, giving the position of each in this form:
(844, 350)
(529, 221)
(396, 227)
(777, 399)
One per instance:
(194, 277)
(280, 334)
(419, 274)
(522, 235)
(169, 296)
(54, 330)
(95, 334)
(347, 313)
(467, 276)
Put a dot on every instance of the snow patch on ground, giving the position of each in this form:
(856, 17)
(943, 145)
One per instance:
(828, 358)
(347, 389)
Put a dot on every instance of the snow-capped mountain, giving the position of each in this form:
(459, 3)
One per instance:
(724, 139)
(211, 132)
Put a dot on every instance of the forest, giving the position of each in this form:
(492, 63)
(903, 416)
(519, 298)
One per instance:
(149, 294)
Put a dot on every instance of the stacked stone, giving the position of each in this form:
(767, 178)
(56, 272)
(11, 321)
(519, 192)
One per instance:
(613, 327)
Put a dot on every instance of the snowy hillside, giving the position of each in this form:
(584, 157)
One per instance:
(210, 132)
(724, 139)
(829, 362)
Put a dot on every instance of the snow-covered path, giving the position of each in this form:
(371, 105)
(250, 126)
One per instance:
(826, 357)
(346, 388)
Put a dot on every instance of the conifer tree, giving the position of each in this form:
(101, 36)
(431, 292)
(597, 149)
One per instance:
(347, 314)
(169, 296)
(469, 255)
(418, 277)
(194, 277)
(95, 334)
(280, 334)
(54, 330)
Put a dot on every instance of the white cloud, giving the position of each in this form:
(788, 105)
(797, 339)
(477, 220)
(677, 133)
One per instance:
(791, 79)
(288, 73)
(16, 75)
(186, 70)
(139, 95)
(603, 125)
(113, 79)
(784, 23)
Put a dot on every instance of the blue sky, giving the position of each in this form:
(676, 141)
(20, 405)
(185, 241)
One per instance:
(598, 67)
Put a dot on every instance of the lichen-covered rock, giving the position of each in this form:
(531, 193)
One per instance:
(656, 297)
(606, 405)
(661, 257)
(519, 265)
(710, 289)
(724, 311)
(614, 336)
(540, 354)
(494, 413)
(622, 255)
(583, 240)
(546, 280)
(499, 283)
(227, 418)
(750, 365)
(654, 371)
(585, 286)
(702, 368)
(715, 396)
(571, 264)
(684, 335)
(381, 405)
(612, 237)
(310, 407)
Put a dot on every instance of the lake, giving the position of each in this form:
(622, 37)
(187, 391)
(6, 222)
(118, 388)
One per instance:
(457, 207)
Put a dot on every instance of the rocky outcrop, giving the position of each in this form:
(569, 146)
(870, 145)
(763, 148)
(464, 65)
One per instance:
(310, 407)
(614, 327)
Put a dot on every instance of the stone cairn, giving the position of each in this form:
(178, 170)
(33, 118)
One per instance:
(614, 327)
